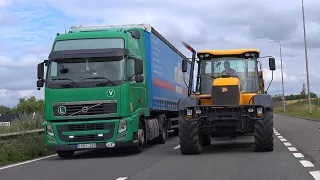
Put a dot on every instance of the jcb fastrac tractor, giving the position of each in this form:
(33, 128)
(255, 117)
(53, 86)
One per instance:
(229, 99)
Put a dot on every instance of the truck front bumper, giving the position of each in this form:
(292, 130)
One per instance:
(73, 147)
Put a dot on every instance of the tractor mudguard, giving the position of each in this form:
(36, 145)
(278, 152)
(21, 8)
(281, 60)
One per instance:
(264, 100)
(187, 102)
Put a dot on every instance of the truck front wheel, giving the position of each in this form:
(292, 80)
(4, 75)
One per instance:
(140, 136)
(65, 154)
(190, 137)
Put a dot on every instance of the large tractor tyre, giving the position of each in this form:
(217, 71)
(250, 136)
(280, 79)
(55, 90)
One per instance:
(206, 140)
(65, 154)
(263, 133)
(140, 136)
(190, 139)
(163, 135)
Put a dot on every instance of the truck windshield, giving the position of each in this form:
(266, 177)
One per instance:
(79, 71)
(77, 44)
(244, 69)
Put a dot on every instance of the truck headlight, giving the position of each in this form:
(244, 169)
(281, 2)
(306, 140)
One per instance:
(49, 130)
(122, 126)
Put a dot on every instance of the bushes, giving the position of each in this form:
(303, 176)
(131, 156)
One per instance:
(23, 123)
(23, 147)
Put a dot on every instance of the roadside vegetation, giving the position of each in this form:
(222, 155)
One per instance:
(30, 116)
(298, 105)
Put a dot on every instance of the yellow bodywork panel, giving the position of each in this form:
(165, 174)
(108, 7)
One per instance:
(228, 51)
(231, 81)
(244, 97)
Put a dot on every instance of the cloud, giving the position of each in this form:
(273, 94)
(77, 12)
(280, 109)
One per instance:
(31, 25)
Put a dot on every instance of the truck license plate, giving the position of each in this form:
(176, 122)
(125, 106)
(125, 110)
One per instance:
(86, 146)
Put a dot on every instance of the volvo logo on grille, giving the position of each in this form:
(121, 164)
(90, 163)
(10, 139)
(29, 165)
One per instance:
(85, 109)
(224, 89)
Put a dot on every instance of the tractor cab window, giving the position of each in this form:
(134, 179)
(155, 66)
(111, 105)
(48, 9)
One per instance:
(244, 69)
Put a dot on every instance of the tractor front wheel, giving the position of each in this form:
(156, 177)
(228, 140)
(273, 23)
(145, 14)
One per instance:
(190, 137)
(263, 133)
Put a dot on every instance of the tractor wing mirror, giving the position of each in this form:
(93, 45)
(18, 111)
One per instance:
(272, 64)
(184, 65)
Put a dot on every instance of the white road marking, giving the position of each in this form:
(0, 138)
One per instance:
(122, 178)
(287, 144)
(26, 162)
(283, 139)
(306, 163)
(292, 149)
(277, 134)
(315, 174)
(298, 155)
(177, 147)
(280, 137)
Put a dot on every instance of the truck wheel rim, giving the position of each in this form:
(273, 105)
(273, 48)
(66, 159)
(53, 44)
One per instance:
(141, 136)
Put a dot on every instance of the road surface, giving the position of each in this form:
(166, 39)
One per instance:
(225, 159)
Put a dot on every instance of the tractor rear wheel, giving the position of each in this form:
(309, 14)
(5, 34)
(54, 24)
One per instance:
(263, 133)
(190, 137)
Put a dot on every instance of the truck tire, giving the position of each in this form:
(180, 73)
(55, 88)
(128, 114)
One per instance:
(263, 133)
(65, 154)
(190, 138)
(163, 135)
(140, 136)
(176, 132)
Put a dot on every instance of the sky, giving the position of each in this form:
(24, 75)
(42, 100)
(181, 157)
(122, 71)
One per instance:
(28, 28)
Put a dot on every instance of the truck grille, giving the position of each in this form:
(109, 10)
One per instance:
(225, 95)
(85, 108)
(86, 127)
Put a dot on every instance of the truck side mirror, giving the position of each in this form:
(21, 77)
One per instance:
(40, 83)
(40, 71)
(272, 64)
(138, 66)
(139, 78)
(184, 65)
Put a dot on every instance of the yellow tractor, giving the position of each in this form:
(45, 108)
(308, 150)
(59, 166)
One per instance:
(229, 99)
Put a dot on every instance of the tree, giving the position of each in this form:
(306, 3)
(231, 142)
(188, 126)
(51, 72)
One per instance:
(303, 92)
(29, 105)
(5, 110)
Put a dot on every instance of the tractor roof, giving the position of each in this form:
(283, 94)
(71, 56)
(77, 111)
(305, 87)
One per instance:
(228, 51)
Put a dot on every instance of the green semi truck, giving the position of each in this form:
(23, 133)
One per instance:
(110, 86)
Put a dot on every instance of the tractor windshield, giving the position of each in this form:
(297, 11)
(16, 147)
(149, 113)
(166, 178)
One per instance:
(244, 69)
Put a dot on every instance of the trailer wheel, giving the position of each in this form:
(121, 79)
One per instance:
(163, 135)
(190, 138)
(65, 154)
(140, 136)
(263, 133)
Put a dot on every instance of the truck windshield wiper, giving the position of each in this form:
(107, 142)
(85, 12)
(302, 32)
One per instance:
(66, 79)
(100, 77)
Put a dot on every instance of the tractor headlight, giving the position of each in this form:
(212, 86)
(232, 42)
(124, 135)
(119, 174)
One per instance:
(189, 112)
(198, 111)
(259, 111)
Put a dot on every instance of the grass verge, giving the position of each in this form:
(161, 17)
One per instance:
(301, 109)
(22, 148)
(15, 149)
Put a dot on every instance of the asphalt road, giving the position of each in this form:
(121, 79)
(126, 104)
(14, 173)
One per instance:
(225, 159)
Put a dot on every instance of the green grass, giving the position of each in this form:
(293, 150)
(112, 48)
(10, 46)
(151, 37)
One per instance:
(23, 147)
(301, 109)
